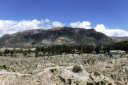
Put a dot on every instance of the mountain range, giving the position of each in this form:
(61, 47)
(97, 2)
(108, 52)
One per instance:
(55, 36)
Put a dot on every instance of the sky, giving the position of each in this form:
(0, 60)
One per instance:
(107, 16)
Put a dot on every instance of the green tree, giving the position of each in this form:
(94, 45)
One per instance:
(97, 49)
(76, 69)
(6, 51)
(89, 48)
(36, 53)
(106, 49)
(25, 53)
(11, 52)
(1, 53)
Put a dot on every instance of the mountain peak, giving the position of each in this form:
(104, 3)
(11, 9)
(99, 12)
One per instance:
(56, 28)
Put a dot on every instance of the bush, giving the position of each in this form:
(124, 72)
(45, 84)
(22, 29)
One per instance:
(53, 70)
(4, 67)
(76, 69)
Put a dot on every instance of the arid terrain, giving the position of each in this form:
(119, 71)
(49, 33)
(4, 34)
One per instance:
(97, 69)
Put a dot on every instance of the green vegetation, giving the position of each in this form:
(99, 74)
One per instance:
(7, 68)
(76, 69)
(59, 49)
(53, 70)
(1, 46)
(6, 51)
(24, 53)
(65, 49)
(1, 53)
(121, 45)
(52, 50)
(98, 49)
(4, 67)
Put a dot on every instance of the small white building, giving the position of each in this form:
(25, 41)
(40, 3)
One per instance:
(114, 52)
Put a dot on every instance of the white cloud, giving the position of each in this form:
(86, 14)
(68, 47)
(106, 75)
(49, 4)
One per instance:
(6, 26)
(78, 24)
(11, 26)
(100, 28)
(47, 20)
(57, 24)
(26, 25)
(111, 32)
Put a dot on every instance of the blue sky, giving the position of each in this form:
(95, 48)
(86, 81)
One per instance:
(112, 14)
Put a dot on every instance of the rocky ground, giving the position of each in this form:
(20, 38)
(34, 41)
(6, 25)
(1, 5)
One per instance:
(57, 70)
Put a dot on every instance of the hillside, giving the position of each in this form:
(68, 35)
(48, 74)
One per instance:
(120, 39)
(55, 36)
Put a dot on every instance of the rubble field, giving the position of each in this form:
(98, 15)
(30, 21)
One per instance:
(97, 69)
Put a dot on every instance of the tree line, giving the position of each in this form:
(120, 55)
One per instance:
(60, 49)
(52, 50)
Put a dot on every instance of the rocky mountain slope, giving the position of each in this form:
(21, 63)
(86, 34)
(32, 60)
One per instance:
(120, 39)
(55, 36)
